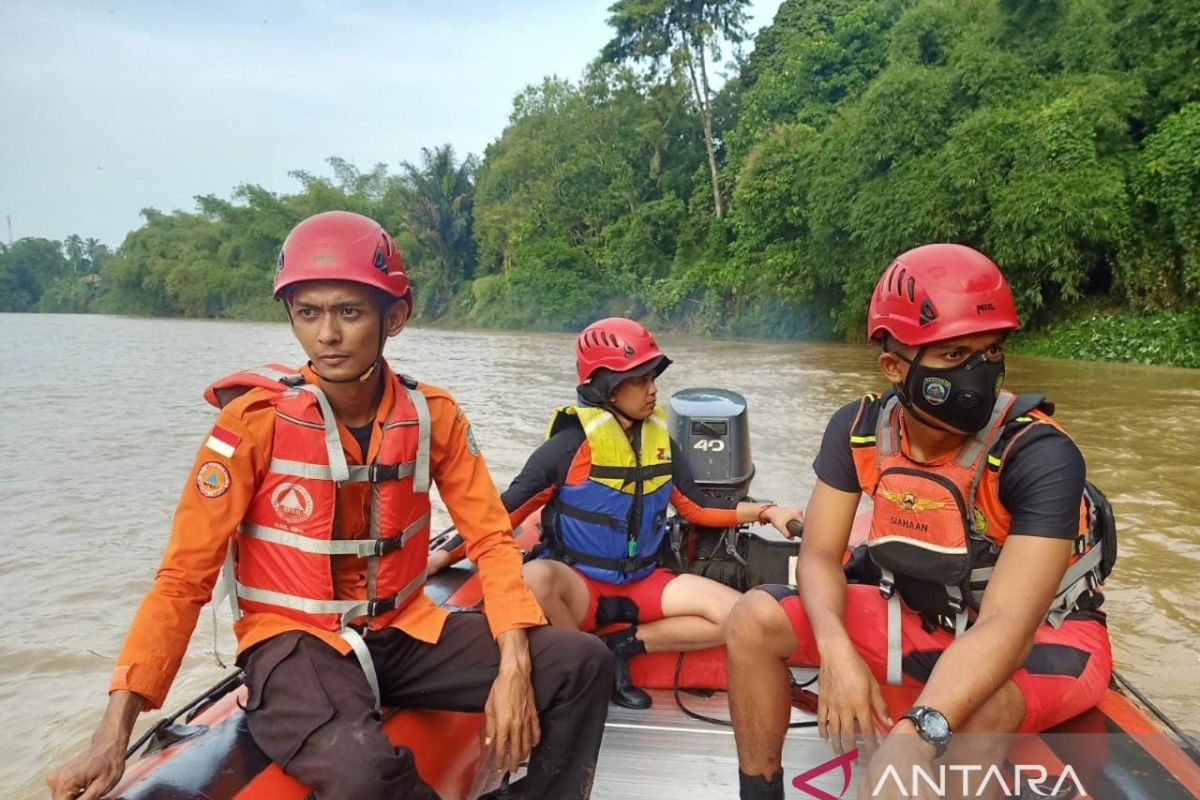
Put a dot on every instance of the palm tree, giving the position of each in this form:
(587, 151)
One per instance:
(73, 245)
(438, 197)
(95, 252)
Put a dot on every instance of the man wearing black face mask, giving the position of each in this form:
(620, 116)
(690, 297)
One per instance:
(987, 566)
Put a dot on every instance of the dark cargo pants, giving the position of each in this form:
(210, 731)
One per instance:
(311, 711)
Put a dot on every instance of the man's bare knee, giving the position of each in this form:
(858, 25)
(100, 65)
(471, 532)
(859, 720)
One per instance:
(755, 620)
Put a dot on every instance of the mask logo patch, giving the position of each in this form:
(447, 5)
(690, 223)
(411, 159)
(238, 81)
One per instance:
(936, 390)
(292, 502)
(981, 523)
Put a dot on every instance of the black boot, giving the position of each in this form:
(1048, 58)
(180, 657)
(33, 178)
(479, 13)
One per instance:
(625, 645)
(756, 787)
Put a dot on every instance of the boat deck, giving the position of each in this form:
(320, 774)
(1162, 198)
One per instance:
(662, 754)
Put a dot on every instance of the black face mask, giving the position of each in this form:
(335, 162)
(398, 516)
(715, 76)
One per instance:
(961, 397)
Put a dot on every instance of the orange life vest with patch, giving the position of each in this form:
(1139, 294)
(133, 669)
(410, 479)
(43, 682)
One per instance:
(937, 529)
(282, 555)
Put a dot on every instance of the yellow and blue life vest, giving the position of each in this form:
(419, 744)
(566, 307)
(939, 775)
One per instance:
(610, 525)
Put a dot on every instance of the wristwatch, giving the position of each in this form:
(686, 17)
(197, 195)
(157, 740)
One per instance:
(932, 727)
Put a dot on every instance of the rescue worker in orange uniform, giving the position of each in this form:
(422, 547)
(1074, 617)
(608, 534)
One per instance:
(331, 620)
(988, 545)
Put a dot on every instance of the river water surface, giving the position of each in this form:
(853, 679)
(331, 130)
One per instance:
(100, 418)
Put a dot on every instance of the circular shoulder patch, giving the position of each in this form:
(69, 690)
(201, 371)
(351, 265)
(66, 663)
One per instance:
(212, 479)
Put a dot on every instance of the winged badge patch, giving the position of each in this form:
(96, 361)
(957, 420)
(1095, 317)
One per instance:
(910, 502)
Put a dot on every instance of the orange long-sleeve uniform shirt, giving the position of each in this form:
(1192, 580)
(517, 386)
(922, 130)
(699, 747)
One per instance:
(205, 522)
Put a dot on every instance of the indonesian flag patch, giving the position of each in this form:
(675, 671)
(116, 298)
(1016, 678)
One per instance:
(222, 442)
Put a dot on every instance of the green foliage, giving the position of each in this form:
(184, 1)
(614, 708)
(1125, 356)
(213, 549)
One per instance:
(1165, 337)
(1062, 138)
(28, 268)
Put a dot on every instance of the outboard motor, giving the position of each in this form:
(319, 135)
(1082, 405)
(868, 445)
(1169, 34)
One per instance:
(711, 427)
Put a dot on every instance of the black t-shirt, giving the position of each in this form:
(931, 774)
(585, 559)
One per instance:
(550, 463)
(1041, 484)
(362, 435)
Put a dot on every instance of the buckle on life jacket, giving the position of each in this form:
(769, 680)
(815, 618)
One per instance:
(381, 606)
(378, 473)
(887, 588)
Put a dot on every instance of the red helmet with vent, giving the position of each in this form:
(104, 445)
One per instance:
(618, 345)
(940, 291)
(342, 246)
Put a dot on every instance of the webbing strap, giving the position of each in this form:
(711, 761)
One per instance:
(306, 605)
(363, 655)
(887, 435)
(960, 609)
(333, 440)
(346, 609)
(631, 474)
(894, 643)
(1075, 581)
(358, 473)
(982, 440)
(363, 548)
(421, 465)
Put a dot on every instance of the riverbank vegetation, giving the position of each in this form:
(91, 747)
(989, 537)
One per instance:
(1062, 138)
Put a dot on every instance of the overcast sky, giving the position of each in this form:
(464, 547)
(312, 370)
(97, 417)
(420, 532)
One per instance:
(109, 107)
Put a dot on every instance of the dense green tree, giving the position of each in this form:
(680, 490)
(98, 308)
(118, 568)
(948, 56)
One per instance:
(687, 34)
(436, 199)
(28, 268)
(1062, 138)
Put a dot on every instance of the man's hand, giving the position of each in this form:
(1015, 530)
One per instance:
(91, 775)
(848, 694)
(88, 776)
(511, 721)
(902, 750)
(780, 516)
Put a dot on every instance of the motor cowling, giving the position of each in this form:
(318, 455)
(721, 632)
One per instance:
(711, 428)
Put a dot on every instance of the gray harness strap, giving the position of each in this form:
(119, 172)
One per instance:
(333, 440)
(421, 466)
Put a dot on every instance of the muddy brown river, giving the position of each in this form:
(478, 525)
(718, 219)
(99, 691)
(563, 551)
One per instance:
(100, 418)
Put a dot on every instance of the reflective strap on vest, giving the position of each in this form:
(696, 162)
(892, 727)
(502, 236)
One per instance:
(363, 654)
(895, 653)
(421, 465)
(358, 473)
(333, 440)
(363, 548)
(347, 609)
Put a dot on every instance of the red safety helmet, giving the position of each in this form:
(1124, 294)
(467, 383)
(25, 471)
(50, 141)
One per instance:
(342, 246)
(620, 346)
(940, 291)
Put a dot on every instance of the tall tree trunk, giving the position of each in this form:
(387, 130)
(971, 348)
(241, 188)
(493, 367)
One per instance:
(701, 90)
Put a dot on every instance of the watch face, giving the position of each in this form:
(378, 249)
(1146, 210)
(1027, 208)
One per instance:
(935, 725)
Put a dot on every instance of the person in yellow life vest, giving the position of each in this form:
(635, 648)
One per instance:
(313, 490)
(605, 476)
(987, 543)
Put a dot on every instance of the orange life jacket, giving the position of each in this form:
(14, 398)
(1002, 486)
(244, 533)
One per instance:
(282, 555)
(941, 526)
